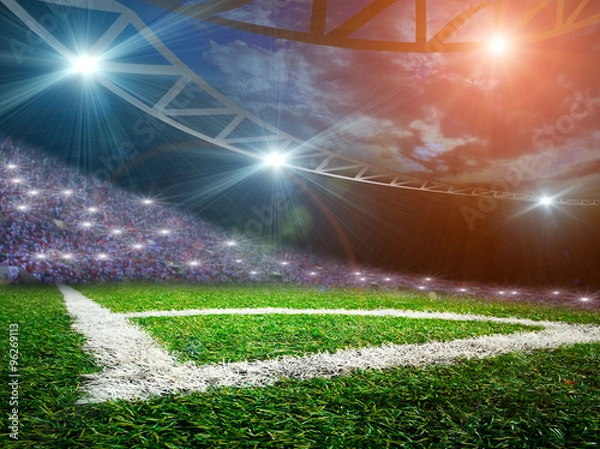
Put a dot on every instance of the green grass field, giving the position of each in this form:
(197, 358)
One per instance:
(544, 399)
(212, 339)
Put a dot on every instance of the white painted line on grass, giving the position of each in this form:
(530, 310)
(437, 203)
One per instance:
(351, 312)
(135, 367)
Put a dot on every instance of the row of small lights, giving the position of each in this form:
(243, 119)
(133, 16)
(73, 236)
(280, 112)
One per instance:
(195, 263)
(275, 160)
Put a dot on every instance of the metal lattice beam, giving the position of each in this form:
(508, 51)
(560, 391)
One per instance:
(228, 118)
(520, 29)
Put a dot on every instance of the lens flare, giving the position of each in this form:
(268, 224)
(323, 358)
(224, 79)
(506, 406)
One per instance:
(498, 45)
(85, 65)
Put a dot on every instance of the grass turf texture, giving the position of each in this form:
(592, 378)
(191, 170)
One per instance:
(139, 297)
(213, 339)
(547, 399)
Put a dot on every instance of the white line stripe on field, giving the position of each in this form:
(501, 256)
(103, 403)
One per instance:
(352, 312)
(135, 367)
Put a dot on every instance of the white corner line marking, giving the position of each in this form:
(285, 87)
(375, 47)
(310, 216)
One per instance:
(135, 367)
(349, 312)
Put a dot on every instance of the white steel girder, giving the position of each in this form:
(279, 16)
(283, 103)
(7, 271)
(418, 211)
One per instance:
(225, 120)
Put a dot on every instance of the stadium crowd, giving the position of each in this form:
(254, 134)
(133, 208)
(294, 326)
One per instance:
(60, 226)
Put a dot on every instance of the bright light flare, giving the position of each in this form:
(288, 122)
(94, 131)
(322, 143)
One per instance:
(194, 263)
(231, 243)
(546, 201)
(274, 160)
(164, 232)
(67, 192)
(102, 256)
(498, 45)
(84, 65)
(138, 246)
(22, 207)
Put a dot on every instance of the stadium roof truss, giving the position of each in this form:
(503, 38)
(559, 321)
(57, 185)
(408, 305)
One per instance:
(228, 126)
(342, 35)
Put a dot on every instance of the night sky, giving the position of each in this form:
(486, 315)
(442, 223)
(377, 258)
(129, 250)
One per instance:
(527, 118)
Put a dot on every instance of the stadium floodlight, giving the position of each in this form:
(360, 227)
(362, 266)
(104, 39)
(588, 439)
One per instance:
(556, 292)
(11, 166)
(40, 256)
(584, 298)
(86, 224)
(116, 232)
(498, 45)
(462, 290)
(428, 279)
(388, 279)
(501, 293)
(92, 210)
(67, 256)
(274, 160)
(84, 65)
(421, 287)
(514, 293)
(147, 201)
(16, 180)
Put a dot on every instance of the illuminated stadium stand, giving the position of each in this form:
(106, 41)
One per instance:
(60, 226)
